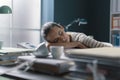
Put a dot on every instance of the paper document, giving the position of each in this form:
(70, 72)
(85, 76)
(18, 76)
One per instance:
(15, 50)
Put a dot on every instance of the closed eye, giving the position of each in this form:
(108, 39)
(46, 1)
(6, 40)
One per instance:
(56, 40)
(60, 32)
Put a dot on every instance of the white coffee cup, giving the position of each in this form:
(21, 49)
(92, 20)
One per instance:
(56, 51)
(1, 44)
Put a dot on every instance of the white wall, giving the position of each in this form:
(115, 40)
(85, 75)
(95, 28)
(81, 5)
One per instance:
(23, 25)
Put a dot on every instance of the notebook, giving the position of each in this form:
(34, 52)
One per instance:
(104, 52)
(105, 56)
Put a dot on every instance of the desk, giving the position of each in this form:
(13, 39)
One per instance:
(107, 56)
(19, 74)
(72, 75)
(30, 75)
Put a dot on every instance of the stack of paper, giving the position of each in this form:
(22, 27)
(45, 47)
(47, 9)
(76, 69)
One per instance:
(9, 55)
(105, 52)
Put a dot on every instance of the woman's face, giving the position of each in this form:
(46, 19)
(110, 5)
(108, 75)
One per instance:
(57, 35)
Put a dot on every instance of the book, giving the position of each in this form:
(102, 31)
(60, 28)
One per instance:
(8, 58)
(7, 62)
(10, 55)
(5, 78)
(116, 22)
(116, 39)
(46, 65)
(8, 50)
(111, 53)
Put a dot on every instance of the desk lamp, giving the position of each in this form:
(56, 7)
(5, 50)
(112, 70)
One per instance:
(5, 10)
(79, 21)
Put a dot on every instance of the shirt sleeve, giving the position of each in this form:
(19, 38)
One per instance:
(88, 41)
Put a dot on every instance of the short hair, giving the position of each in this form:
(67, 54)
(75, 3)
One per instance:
(47, 27)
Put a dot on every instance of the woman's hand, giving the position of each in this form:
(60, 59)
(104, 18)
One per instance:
(82, 46)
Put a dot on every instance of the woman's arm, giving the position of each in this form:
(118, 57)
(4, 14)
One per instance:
(68, 45)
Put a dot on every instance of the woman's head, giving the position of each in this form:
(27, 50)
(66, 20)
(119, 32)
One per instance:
(53, 32)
